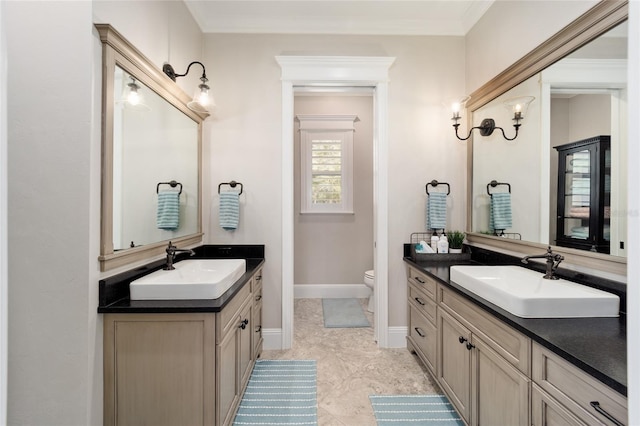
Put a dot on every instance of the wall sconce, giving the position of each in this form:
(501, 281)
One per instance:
(201, 99)
(517, 106)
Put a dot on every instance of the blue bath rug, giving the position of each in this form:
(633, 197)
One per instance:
(428, 410)
(280, 392)
(343, 313)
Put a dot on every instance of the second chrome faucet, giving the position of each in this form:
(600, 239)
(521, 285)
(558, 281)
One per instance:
(171, 255)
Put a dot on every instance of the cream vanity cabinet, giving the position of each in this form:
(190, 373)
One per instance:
(482, 364)
(181, 368)
(564, 394)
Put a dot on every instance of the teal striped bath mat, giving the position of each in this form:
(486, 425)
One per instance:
(280, 392)
(428, 410)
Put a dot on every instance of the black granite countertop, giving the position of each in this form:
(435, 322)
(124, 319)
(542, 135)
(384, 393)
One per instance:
(597, 346)
(114, 291)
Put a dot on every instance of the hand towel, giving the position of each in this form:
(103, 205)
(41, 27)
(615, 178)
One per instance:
(229, 210)
(168, 213)
(437, 210)
(500, 211)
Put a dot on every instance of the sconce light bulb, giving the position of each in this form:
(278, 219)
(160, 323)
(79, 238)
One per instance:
(518, 108)
(455, 107)
(134, 97)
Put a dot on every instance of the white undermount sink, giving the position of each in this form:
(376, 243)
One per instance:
(526, 294)
(191, 279)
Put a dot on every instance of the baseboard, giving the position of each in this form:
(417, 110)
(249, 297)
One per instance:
(272, 339)
(397, 337)
(336, 291)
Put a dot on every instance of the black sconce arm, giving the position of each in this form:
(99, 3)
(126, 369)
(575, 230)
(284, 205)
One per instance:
(170, 72)
(486, 128)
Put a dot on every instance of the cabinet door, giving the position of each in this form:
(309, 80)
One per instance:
(500, 392)
(546, 411)
(227, 387)
(245, 331)
(454, 362)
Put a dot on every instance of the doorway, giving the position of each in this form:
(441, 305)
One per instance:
(334, 71)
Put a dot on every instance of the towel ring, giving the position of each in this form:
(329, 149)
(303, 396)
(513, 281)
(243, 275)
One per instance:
(232, 184)
(495, 183)
(435, 183)
(172, 184)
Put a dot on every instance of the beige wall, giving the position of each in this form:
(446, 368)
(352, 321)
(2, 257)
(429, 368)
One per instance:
(337, 249)
(511, 29)
(246, 139)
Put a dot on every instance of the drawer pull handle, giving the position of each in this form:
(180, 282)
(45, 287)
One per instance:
(258, 298)
(259, 278)
(596, 406)
(243, 323)
(419, 301)
(419, 332)
(461, 339)
(420, 280)
(470, 346)
(258, 329)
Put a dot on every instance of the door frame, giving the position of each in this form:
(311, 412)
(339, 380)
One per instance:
(346, 71)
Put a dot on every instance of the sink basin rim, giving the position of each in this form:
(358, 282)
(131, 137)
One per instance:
(191, 279)
(524, 293)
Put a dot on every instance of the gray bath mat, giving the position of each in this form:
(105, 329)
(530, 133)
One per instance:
(343, 313)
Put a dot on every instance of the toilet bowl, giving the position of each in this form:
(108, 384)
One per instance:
(368, 281)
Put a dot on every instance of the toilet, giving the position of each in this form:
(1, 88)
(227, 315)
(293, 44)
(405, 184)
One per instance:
(368, 281)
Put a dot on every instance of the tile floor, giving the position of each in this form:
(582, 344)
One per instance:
(351, 367)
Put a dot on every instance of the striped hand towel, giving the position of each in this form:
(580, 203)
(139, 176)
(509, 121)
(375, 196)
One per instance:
(437, 210)
(229, 210)
(168, 213)
(500, 211)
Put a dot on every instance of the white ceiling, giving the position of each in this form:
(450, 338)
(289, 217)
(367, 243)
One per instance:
(386, 17)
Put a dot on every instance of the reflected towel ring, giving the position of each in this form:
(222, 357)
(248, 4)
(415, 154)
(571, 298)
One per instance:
(172, 184)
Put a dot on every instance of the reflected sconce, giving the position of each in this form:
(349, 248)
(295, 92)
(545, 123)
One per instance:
(132, 98)
(201, 99)
(517, 106)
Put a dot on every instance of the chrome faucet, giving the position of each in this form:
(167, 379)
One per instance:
(553, 260)
(171, 255)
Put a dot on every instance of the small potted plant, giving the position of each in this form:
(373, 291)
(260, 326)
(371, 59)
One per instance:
(455, 238)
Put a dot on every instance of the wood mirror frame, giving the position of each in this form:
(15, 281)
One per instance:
(117, 51)
(595, 22)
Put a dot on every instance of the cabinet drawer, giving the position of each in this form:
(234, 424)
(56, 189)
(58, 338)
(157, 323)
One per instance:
(424, 336)
(422, 302)
(227, 317)
(509, 343)
(575, 389)
(256, 281)
(423, 282)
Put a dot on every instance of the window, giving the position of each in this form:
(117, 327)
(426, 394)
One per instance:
(326, 163)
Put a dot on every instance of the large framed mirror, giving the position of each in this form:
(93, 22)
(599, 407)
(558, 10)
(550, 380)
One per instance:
(151, 158)
(578, 81)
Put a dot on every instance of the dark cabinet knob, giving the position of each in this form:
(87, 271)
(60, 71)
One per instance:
(243, 323)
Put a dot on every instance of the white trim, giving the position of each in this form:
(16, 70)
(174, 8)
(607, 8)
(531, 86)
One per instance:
(4, 281)
(397, 337)
(633, 229)
(348, 71)
(272, 339)
(335, 291)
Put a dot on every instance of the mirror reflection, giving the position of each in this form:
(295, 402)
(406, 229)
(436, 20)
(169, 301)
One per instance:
(155, 166)
(568, 187)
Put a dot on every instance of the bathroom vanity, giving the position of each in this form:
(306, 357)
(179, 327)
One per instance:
(170, 362)
(497, 368)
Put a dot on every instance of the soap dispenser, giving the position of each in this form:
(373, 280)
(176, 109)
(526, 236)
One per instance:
(443, 244)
